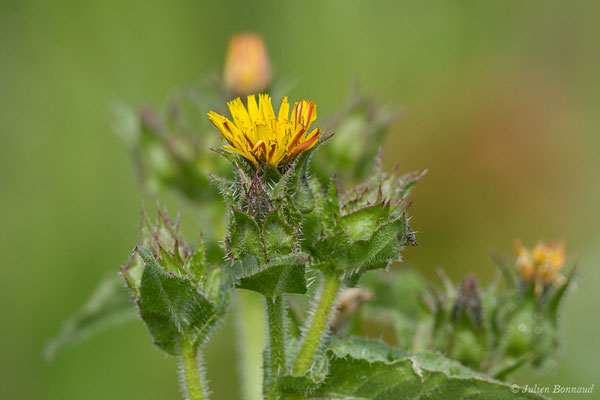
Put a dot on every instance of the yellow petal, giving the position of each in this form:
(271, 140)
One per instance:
(284, 110)
(266, 108)
(242, 153)
(311, 113)
(253, 109)
(238, 113)
(295, 113)
(305, 145)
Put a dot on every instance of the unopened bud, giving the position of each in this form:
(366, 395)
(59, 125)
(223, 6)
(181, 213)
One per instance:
(542, 264)
(468, 302)
(247, 67)
(469, 344)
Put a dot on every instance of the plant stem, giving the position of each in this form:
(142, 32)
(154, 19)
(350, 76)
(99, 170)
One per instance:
(276, 352)
(192, 378)
(318, 323)
(250, 335)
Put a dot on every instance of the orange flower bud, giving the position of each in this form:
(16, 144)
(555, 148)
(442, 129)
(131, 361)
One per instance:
(247, 67)
(543, 263)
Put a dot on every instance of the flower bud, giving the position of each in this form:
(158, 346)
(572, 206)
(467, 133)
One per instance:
(541, 265)
(247, 67)
(469, 341)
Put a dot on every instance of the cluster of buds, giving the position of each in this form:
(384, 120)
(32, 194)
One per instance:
(179, 295)
(498, 331)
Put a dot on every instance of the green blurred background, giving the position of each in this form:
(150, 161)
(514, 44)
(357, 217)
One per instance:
(501, 104)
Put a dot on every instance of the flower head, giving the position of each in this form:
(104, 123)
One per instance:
(247, 67)
(542, 264)
(263, 138)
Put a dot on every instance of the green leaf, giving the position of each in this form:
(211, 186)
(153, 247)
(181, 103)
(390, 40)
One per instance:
(384, 245)
(171, 306)
(280, 188)
(312, 229)
(277, 235)
(317, 191)
(282, 275)
(557, 296)
(382, 248)
(510, 366)
(303, 197)
(507, 271)
(270, 175)
(197, 262)
(109, 304)
(369, 369)
(337, 250)
(218, 289)
(362, 223)
(312, 222)
(331, 213)
(245, 235)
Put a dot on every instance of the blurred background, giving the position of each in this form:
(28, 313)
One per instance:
(500, 103)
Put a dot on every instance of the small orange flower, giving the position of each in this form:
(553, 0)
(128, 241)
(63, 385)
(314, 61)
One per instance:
(259, 136)
(542, 264)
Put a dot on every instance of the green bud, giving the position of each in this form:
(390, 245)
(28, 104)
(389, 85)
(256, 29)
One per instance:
(468, 340)
(518, 336)
(179, 296)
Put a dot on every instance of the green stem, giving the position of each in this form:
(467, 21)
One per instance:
(318, 323)
(276, 353)
(251, 336)
(192, 373)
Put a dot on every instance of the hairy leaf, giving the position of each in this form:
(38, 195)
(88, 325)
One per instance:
(245, 235)
(303, 197)
(362, 223)
(381, 248)
(337, 250)
(282, 275)
(171, 306)
(368, 369)
(331, 212)
(384, 245)
(280, 188)
(277, 235)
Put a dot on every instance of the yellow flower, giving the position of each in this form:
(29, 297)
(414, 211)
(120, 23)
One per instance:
(247, 66)
(262, 138)
(542, 264)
